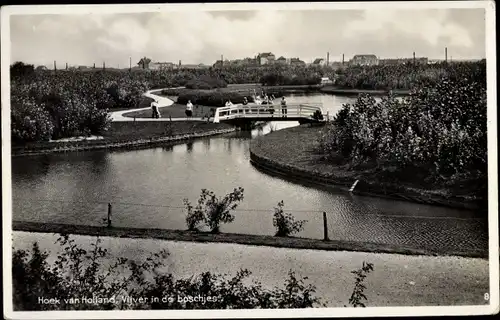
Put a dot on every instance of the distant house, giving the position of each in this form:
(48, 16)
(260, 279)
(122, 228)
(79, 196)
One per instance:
(40, 68)
(297, 62)
(266, 58)
(364, 60)
(319, 62)
(281, 60)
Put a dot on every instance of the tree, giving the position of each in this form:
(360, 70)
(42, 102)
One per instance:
(144, 63)
(20, 69)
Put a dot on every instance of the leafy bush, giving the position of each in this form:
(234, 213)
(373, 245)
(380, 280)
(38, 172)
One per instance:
(30, 122)
(19, 69)
(285, 223)
(317, 115)
(404, 76)
(279, 79)
(78, 273)
(438, 130)
(211, 98)
(357, 295)
(206, 83)
(212, 210)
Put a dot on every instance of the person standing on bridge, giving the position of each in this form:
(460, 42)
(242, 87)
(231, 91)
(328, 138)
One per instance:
(283, 108)
(189, 109)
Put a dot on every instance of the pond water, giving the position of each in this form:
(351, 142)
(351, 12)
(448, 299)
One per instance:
(147, 187)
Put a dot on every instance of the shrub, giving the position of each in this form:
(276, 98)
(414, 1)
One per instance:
(79, 273)
(212, 210)
(30, 122)
(439, 130)
(20, 69)
(285, 223)
(206, 83)
(317, 115)
(210, 98)
(358, 295)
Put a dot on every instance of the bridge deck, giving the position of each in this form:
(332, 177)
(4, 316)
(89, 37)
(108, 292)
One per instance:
(255, 112)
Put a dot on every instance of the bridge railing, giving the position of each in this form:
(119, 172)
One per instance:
(294, 110)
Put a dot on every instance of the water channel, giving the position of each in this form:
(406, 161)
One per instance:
(147, 188)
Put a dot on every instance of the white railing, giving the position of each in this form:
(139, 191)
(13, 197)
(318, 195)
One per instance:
(298, 110)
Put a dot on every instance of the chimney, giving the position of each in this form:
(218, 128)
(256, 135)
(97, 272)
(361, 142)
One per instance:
(66, 66)
(55, 66)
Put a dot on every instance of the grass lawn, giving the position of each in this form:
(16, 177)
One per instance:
(142, 129)
(130, 131)
(174, 111)
(296, 147)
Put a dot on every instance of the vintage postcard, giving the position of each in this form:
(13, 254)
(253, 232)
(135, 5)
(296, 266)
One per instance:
(254, 160)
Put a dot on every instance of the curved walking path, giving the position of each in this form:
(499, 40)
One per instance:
(118, 116)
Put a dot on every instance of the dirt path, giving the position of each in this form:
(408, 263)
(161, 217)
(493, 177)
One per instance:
(397, 280)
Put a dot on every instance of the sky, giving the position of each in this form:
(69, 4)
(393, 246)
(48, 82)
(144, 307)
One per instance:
(197, 36)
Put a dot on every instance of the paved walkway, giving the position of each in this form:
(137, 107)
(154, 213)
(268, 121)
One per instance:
(163, 102)
(398, 280)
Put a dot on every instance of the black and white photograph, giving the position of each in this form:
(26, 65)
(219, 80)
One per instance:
(249, 160)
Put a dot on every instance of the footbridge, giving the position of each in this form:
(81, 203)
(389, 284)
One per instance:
(301, 112)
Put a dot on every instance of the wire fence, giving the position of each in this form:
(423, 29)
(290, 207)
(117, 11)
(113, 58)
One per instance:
(87, 203)
(348, 224)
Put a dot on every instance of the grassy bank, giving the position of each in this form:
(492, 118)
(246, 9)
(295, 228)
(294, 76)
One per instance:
(175, 111)
(130, 134)
(291, 152)
(246, 239)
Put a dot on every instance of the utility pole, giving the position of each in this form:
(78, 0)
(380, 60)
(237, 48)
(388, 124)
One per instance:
(130, 64)
(66, 66)
(414, 57)
(327, 58)
(103, 65)
(94, 66)
(55, 66)
(342, 58)
(445, 54)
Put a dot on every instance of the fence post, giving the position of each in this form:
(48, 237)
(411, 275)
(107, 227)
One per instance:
(109, 215)
(325, 228)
